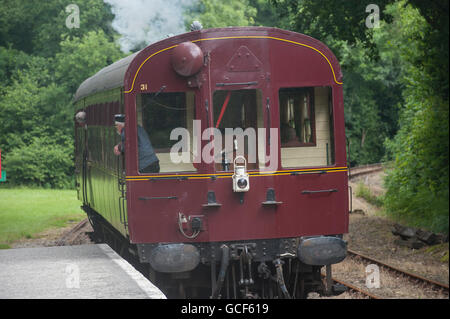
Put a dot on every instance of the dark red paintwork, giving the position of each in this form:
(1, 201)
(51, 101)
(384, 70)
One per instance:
(280, 59)
(187, 58)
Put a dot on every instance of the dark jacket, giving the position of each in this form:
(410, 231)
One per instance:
(146, 154)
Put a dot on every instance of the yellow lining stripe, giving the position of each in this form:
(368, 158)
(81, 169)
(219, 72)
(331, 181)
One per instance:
(237, 37)
(151, 56)
(250, 173)
(229, 175)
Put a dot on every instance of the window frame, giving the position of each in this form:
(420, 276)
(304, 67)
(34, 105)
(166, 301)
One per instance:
(311, 113)
(260, 111)
(166, 150)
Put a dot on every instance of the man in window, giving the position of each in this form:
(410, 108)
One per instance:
(148, 162)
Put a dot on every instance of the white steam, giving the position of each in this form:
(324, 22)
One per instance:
(142, 22)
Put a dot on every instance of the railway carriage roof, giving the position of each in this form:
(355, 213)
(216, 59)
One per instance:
(113, 75)
(107, 78)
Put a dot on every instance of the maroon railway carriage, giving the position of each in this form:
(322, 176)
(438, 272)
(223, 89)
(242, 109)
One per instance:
(188, 223)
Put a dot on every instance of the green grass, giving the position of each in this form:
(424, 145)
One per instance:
(439, 250)
(364, 192)
(26, 212)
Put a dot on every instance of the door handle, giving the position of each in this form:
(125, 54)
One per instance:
(333, 190)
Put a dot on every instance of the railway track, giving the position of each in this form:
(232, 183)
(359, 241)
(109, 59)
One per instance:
(356, 290)
(401, 279)
(416, 280)
(352, 289)
(70, 236)
(364, 169)
(427, 287)
(435, 285)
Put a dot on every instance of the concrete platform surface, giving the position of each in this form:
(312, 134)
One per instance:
(71, 272)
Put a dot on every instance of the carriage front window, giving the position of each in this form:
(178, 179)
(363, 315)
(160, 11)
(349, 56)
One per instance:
(306, 127)
(159, 115)
(237, 115)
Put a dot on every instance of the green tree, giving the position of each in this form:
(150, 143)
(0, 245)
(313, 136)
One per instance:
(36, 27)
(36, 108)
(343, 20)
(32, 106)
(11, 60)
(42, 64)
(81, 57)
(271, 16)
(417, 187)
(219, 14)
(372, 93)
(43, 162)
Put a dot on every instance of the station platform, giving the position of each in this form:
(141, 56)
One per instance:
(71, 272)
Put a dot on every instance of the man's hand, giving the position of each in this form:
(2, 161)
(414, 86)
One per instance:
(116, 150)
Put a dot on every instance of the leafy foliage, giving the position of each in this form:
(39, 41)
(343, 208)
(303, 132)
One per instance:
(38, 27)
(43, 62)
(417, 187)
(33, 105)
(343, 20)
(370, 112)
(217, 13)
(41, 163)
(80, 57)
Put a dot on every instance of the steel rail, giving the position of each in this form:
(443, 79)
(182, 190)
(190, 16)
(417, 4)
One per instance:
(354, 288)
(363, 170)
(398, 270)
(74, 231)
(359, 290)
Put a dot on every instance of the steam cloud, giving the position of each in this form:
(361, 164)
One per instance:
(142, 22)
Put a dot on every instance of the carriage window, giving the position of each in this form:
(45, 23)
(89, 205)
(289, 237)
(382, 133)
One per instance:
(306, 127)
(161, 114)
(296, 117)
(234, 111)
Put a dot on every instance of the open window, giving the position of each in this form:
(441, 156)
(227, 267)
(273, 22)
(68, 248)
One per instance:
(306, 127)
(238, 114)
(159, 115)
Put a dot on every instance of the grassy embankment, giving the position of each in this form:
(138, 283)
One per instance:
(24, 212)
(364, 192)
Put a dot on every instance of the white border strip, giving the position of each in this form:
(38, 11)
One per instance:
(150, 290)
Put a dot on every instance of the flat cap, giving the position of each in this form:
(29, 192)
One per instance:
(119, 118)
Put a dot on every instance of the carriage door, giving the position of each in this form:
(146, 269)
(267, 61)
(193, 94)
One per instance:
(307, 145)
(121, 198)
